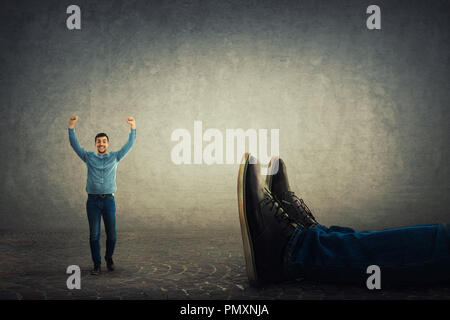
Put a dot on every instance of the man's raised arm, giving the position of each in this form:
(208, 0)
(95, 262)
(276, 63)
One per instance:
(127, 147)
(73, 139)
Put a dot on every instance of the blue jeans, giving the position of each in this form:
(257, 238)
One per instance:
(406, 255)
(96, 207)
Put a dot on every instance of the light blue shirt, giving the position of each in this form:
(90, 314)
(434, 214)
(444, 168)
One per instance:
(101, 168)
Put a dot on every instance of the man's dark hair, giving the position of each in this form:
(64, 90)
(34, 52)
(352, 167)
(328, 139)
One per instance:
(101, 135)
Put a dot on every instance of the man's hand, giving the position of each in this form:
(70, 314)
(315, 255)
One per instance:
(72, 121)
(131, 122)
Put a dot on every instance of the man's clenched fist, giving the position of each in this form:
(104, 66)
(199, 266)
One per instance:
(72, 121)
(131, 122)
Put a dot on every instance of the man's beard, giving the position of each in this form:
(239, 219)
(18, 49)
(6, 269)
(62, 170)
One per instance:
(101, 152)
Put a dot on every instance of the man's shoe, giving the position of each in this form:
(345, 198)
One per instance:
(96, 271)
(278, 184)
(109, 264)
(265, 227)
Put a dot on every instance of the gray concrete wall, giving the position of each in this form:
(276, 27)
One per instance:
(363, 115)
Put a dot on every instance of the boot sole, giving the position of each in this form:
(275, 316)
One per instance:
(249, 255)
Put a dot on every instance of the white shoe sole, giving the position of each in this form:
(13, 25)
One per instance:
(246, 237)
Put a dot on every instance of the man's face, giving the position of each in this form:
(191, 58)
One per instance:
(101, 143)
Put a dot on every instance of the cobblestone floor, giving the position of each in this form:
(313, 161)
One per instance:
(158, 264)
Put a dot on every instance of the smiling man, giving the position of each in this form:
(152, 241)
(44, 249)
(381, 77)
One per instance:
(101, 186)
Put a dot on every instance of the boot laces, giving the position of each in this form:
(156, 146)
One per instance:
(279, 214)
(299, 204)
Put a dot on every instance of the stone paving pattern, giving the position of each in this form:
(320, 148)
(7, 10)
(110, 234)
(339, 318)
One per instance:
(158, 264)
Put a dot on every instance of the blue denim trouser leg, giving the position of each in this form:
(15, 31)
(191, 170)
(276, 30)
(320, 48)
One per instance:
(97, 207)
(406, 255)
